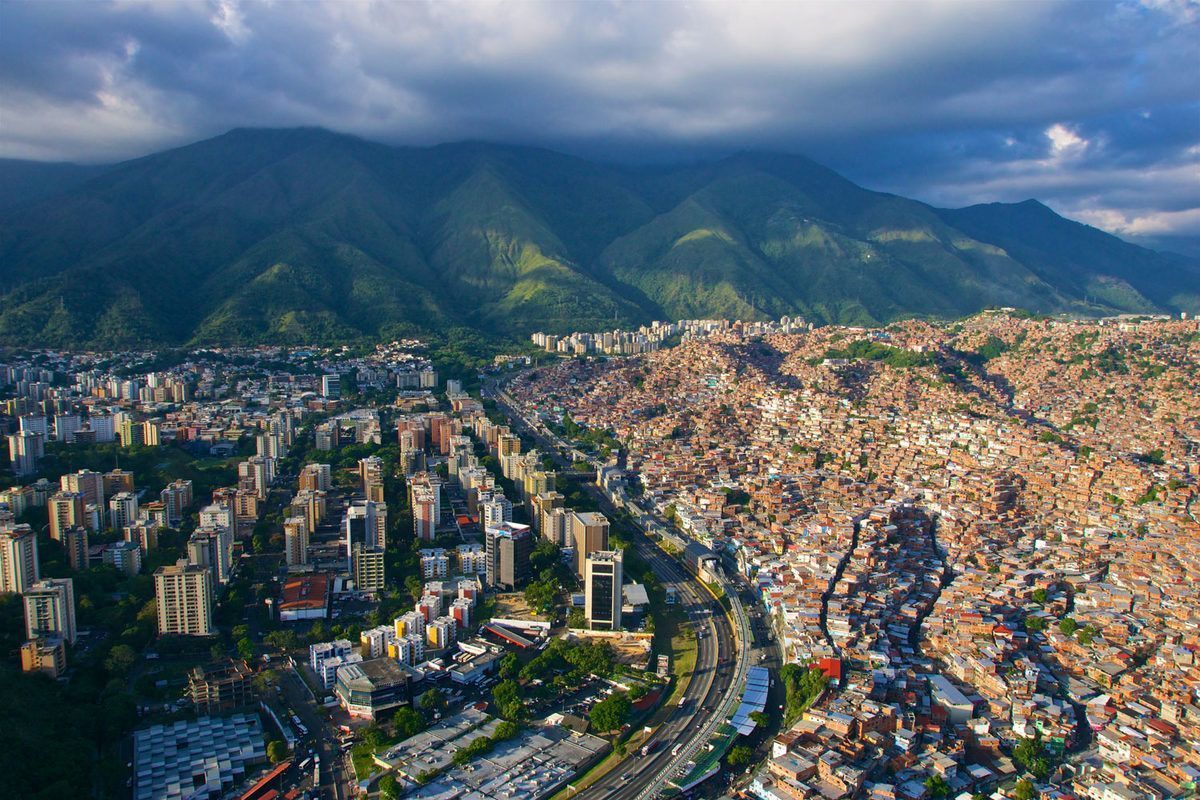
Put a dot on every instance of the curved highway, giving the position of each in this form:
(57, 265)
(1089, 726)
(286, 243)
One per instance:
(720, 669)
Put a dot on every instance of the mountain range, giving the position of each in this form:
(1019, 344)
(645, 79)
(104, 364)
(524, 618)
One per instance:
(305, 235)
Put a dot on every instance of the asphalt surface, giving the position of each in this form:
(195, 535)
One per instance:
(715, 668)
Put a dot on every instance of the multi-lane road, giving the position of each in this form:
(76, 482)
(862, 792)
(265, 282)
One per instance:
(721, 660)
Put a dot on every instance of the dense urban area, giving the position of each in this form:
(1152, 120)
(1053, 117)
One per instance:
(701, 558)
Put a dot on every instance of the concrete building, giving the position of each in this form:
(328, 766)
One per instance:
(88, 483)
(425, 496)
(198, 760)
(66, 509)
(44, 655)
(122, 510)
(315, 478)
(126, 557)
(185, 600)
(50, 610)
(372, 688)
(508, 548)
(176, 499)
(304, 597)
(25, 450)
(589, 533)
(221, 687)
(75, 542)
(18, 558)
(370, 475)
(368, 568)
(295, 541)
(603, 575)
(331, 386)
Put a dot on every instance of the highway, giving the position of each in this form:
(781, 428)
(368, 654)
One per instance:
(721, 665)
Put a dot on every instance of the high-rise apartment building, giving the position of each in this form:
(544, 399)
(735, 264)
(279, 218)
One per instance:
(18, 558)
(50, 609)
(370, 472)
(315, 478)
(184, 594)
(66, 510)
(494, 510)
(295, 541)
(212, 549)
(367, 567)
(602, 587)
(425, 496)
(176, 499)
(75, 543)
(25, 450)
(331, 386)
(122, 510)
(508, 548)
(589, 533)
(125, 557)
(117, 480)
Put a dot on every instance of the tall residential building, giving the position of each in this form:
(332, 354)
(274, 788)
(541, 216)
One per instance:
(365, 523)
(25, 449)
(117, 480)
(44, 655)
(315, 477)
(602, 587)
(185, 600)
(34, 423)
(176, 499)
(122, 510)
(295, 541)
(425, 496)
(18, 558)
(129, 431)
(508, 548)
(370, 473)
(495, 510)
(66, 426)
(212, 549)
(152, 432)
(367, 567)
(50, 609)
(143, 535)
(310, 504)
(126, 557)
(589, 533)
(256, 474)
(66, 510)
(75, 542)
(556, 526)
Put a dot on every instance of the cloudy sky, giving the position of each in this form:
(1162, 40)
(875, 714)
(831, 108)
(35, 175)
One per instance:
(1091, 107)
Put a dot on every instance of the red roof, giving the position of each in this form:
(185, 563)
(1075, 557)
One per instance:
(305, 591)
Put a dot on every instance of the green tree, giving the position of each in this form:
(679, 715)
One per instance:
(507, 697)
(1023, 790)
(610, 713)
(245, 648)
(1086, 635)
(576, 618)
(1035, 624)
(739, 756)
(388, 789)
(510, 665)
(284, 640)
(937, 786)
(120, 659)
(1067, 626)
(407, 722)
(276, 750)
(1039, 596)
(760, 719)
(433, 700)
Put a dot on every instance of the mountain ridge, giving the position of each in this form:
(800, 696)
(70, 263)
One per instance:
(289, 235)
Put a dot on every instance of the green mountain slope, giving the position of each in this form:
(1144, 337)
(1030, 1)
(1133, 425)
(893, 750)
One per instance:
(301, 235)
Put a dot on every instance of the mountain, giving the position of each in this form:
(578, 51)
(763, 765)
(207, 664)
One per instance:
(304, 235)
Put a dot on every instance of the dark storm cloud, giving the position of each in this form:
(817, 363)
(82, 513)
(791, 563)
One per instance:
(1092, 107)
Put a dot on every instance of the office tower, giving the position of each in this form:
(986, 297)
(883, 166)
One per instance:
(66, 509)
(370, 472)
(331, 386)
(315, 478)
(122, 510)
(602, 587)
(66, 426)
(176, 499)
(185, 600)
(75, 542)
(50, 609)
(495, 510)
(143, 535)
(453, 386)
(18, 558)
(425, 497)
(25, 449)
(589, 533)
(118, 480)
(126, 557)
(212, 548)
(509, 547)
(367, 567)
(295, 541)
